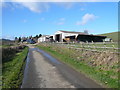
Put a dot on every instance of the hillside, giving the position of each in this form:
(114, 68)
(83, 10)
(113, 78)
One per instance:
(113, 35)
(6, 42)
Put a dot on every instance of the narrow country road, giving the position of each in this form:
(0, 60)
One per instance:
(44, 71)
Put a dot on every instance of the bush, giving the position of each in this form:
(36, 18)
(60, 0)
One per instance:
(9, 52)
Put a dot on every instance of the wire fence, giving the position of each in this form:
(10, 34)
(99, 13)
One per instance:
(111, 47)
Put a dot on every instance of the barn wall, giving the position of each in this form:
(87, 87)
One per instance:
(63, 35)
(90, 38)
(42, 39)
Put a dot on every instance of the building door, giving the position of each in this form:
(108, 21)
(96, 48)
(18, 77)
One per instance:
(57, 37)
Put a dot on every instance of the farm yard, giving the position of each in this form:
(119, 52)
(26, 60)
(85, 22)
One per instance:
(99, 61)
(95, 60)
(60, 44)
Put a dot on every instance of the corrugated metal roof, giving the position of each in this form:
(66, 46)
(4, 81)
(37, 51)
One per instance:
(73, 32)
(80, 33)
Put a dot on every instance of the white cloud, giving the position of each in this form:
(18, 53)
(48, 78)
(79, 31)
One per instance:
(60, 23)
(42, 19)
(62, 19)
(8, 37)
(86, 18)
(61, 0)
(43, 5)
(3, 4)
(35, 6)
(32, 6)
(66, 5)
(82, 9)
(24, 21)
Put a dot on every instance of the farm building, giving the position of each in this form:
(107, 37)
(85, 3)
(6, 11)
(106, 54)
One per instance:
(107, 39)
(69, 36)
(51, 38)
(90, 38)
(44, 38)
(61, 36)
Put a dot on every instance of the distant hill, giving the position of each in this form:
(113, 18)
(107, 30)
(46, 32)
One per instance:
(113, 35)
(6, 42)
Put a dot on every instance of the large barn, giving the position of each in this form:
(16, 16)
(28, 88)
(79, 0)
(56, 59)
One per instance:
(69, 36)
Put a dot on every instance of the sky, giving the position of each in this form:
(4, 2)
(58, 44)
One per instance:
(21, 19)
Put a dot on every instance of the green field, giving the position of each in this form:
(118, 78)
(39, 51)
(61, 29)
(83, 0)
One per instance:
(113, 35)
(12, 70)
(0, 77)
(5, 46)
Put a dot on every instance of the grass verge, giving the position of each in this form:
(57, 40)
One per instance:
(12, 71)
(100, 76)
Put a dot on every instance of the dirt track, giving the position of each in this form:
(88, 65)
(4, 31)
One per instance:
(44, 71)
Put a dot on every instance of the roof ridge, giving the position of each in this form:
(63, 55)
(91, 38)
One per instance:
(71, 31)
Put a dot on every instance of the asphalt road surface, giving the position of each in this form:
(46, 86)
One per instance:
(44, 71)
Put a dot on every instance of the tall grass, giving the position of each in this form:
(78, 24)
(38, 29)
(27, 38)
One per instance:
(12, 71)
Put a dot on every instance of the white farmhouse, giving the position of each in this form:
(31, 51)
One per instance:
(60, 35)
(43, 38)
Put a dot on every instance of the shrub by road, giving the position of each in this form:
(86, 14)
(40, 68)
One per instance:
(13, 66)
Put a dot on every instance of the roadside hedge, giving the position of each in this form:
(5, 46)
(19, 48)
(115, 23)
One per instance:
(9, 52)
(13, 69)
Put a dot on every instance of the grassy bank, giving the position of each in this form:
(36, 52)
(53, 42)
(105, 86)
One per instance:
(113, 35)
(107, 78)
(12, 71)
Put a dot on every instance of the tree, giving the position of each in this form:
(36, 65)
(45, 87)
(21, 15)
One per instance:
(19, 40)
(36, 36)
(16, 38)
(30, 37)
(40, 35)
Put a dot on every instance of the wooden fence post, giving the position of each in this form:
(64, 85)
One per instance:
(104, 46)
(81, 44)
(113, 45)
(93, 44)
(87, 44)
